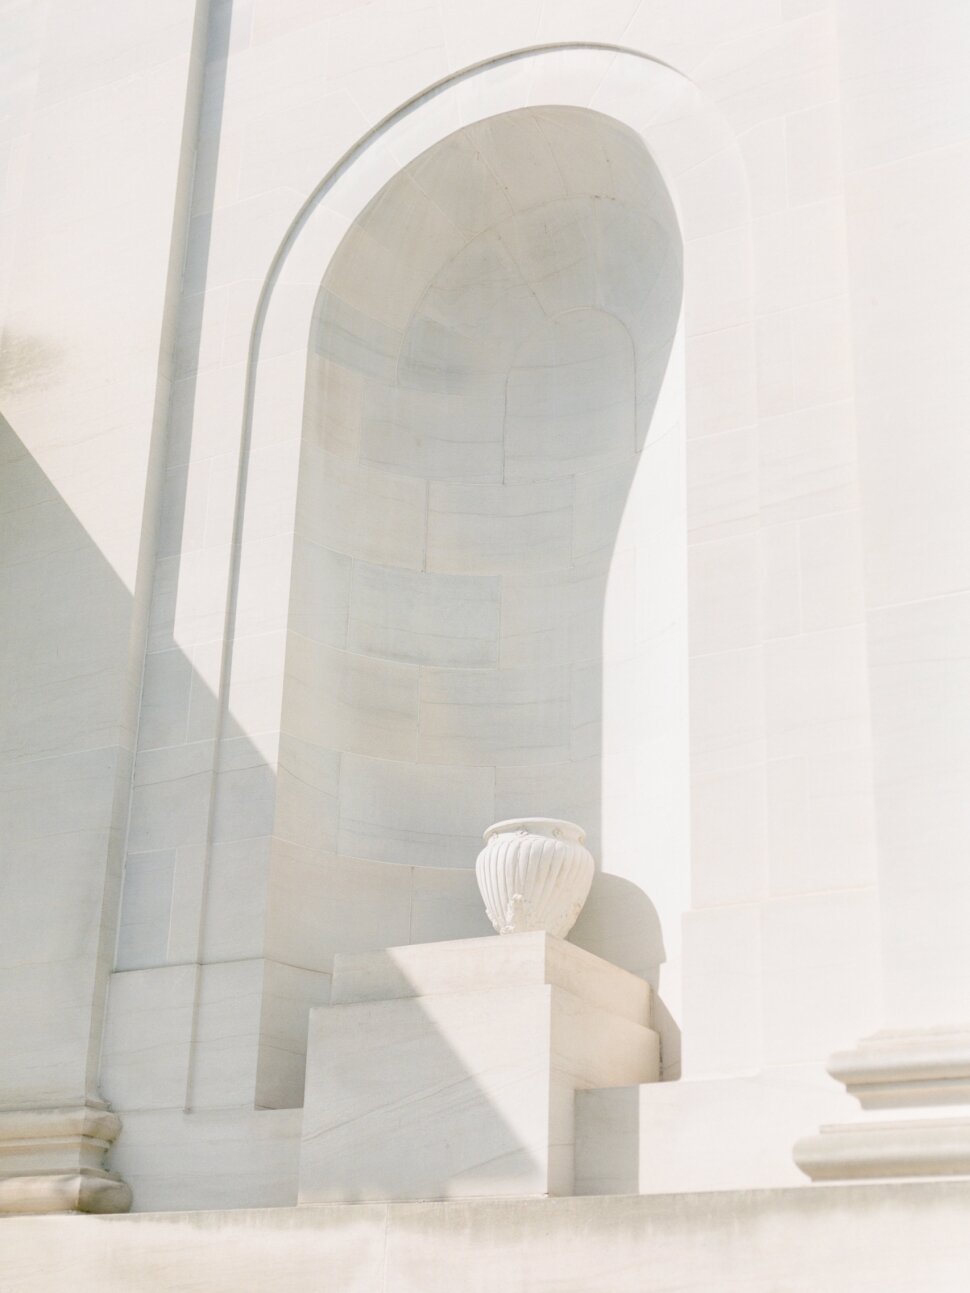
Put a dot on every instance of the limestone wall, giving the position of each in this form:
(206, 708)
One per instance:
(224, 681)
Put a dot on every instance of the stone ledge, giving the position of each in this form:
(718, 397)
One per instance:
(893, 1237)
(484, 964)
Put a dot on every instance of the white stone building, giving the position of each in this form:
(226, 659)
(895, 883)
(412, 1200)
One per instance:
(421, 413)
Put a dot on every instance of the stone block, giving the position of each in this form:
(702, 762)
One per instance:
(448, 1070)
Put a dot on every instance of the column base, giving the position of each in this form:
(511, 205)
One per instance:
(51, 1160)
(914, 1089)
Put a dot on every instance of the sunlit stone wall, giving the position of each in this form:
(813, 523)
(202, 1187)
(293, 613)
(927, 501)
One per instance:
(480, 572)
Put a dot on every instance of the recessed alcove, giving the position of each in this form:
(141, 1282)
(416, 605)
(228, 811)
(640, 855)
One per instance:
(488, 593)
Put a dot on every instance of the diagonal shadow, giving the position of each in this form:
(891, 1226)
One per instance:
(177, 1037)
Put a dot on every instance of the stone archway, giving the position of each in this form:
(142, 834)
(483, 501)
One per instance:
(302, 904)
(488, 596)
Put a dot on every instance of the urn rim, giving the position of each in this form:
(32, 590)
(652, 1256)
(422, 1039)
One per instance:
(556, 827)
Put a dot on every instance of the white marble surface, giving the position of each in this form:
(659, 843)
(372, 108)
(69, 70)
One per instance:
(469, 373)
(92, 148)
(462, 965)
(802, 147)
(448, 1070)
(709, 1134)
(224, 1158)
(229, 1034)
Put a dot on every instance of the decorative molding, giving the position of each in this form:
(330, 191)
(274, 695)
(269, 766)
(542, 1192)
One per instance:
(852, 1152)
(897, 1069)
(915, 1071)
(52, 1160)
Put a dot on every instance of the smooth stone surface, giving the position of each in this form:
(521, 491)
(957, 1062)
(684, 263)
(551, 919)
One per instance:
(712, 1134)
(459, 1081)
(479, 964)
(903, 1237)
(150, 578)
(88, 345)
(463, 382)
(220, 1158)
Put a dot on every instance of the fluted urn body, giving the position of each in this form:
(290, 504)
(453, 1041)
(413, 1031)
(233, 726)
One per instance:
(534, 873)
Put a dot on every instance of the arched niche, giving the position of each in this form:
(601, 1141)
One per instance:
(300, 900)
(488, 599)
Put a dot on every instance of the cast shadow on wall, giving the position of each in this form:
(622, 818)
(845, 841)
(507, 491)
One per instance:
(479, 663)
(486, 609)
(64, 741)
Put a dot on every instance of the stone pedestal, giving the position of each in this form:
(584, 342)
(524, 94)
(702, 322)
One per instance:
(448, 1070)
(52, 1160)
(914, 1092)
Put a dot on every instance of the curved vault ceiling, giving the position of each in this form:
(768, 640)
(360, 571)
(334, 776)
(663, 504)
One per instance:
(489, 344)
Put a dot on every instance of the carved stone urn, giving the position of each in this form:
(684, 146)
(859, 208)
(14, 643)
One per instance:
(534, 873)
